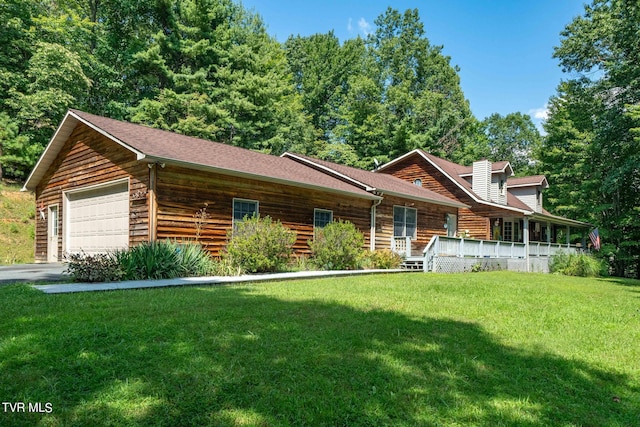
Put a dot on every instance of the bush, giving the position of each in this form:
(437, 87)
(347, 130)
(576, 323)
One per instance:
(95, 268)
(259, 245)
(165, 259)
(149, 260)
(384, 259)
(338, 246)
(582, 265)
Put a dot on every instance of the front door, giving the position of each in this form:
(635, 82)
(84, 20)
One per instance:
(52, 233)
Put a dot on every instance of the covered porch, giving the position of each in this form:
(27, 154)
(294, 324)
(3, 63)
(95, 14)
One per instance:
(522, 244)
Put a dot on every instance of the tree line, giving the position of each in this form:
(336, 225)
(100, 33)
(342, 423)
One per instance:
(208, 68)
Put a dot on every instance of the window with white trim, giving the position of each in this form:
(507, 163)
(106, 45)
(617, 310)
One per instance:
(405, 221)
(244, 208)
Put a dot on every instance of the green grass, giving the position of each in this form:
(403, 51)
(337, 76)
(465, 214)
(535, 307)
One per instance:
(483, 349)
(17, 232)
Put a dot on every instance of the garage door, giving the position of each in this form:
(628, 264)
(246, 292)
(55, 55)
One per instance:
(98, 219)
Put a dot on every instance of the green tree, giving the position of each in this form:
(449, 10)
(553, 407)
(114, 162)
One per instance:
(599, 106)
(216, 74)
(513, 137)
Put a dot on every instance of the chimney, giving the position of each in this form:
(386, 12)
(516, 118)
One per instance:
(481, 180)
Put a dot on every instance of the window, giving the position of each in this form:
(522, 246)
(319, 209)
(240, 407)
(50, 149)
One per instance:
(404, 221)
(321, 217)
(417, 182)
(508, 231)
(452, 225)
(242, 208)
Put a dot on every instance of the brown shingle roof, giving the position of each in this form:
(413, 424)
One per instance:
(164, 146)
(379, 182)
(525, 181)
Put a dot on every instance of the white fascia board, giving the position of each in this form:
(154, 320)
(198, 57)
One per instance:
(50, 153)
(424, 199)
(396, 160)
(139, 154)
(52, 149)
(558, 220)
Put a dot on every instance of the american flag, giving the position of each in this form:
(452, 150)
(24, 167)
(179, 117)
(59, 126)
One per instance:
(595, 239)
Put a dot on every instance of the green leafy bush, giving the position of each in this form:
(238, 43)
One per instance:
(582, 265)
(338, 246)
(95, 268)
(259, 245)
(384, 259)
(149, 260)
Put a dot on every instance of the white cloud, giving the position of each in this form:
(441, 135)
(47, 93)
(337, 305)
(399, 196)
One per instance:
(364, 26)
(539, 113)
(349, 26)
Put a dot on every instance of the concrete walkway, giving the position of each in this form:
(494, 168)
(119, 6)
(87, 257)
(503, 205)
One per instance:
(192, 281)
(20, 273)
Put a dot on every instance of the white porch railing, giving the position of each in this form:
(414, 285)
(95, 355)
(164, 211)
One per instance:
(441, 246)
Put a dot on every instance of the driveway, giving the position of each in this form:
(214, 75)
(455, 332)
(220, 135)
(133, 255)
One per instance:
(32, 273)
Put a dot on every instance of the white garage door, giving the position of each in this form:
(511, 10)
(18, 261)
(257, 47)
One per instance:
(98, 219)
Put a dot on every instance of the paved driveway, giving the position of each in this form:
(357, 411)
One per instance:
(32, 273)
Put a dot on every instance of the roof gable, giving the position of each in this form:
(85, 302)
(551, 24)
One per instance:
(455, 172)
(528, 181)
(155, 145)
(377, 182)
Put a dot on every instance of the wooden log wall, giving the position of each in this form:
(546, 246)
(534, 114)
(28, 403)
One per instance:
(182, 192)
(430, 221)
(89, 158)
(476, 218)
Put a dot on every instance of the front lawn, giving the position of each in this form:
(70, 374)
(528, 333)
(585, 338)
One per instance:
(408, 349)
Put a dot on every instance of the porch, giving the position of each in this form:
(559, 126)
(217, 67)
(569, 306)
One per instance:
(457, 254)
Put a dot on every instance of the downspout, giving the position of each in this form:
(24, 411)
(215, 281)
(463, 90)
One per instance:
(153, 203)
(372, 233)
(525, 239)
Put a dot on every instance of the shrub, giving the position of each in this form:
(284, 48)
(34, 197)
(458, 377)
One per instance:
(194, 260)
(258, 245)
(149, 260)
(384, 259)
(165, 259)
(338, 246)
(95, 268)
(582, 265)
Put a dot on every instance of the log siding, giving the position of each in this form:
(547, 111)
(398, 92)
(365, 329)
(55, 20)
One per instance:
(89, 158)
(476, 218)
(182, 192)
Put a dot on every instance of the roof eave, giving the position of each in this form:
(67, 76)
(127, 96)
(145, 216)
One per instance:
(62, 133)
(331, 171)
(560, 220)
(452, 204)
(232, 172)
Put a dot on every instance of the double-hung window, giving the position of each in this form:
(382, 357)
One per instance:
(244, 208)
(404, 221)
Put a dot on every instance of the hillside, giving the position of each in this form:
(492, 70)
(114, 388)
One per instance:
(17, 230)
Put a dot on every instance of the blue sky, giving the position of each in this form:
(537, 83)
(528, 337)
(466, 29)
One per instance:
(503, 47)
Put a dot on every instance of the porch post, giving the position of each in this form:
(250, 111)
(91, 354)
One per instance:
(525, 238)
(548, 232)
(568, 236)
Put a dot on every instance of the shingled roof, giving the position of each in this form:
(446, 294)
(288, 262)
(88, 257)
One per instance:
(379, 183)
(155, 145)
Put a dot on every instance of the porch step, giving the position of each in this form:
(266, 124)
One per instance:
(413, 263)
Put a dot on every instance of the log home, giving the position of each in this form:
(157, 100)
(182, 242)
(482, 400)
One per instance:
(500, 208)
(103, 184)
